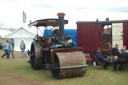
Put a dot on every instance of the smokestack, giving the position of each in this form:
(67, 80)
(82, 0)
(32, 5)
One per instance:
(97, 20)
(107, 19)
(61, 25)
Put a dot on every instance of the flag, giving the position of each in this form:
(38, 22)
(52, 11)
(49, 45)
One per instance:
(24, 17)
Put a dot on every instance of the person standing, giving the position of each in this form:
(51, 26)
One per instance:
(5, 46)
(22, 47)
(11, 49)
(115, 51)
(115, 54)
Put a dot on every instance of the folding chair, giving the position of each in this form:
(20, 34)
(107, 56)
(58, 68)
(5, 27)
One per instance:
(101, 64)
(123, 63)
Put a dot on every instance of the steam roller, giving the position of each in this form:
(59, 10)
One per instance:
(56, 51)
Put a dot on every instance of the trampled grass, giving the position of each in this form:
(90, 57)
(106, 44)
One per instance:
(18, 72)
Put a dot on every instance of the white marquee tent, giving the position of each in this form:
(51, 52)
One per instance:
(21, 34)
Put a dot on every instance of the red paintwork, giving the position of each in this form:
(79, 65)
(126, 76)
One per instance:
(107, 31)
(89, 36)
(125, 34)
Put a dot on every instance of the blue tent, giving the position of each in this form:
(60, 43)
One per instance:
(71, 32)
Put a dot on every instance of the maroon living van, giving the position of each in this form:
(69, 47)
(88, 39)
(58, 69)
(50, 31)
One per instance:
(103, 34)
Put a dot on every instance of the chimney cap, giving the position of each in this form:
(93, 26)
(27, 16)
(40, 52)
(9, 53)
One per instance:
(107, 19)
(61, 14)
(97, 20)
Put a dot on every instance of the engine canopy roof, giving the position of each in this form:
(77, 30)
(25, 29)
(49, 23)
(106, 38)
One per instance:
(46, 22)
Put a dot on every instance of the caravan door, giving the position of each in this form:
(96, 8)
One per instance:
(117, 34)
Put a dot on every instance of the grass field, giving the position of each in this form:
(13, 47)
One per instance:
(18, 72)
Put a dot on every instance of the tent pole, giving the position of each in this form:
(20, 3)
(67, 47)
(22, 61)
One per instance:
(37, 30)
(37, 33)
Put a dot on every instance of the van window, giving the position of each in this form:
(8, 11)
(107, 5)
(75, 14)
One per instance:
(107, 29)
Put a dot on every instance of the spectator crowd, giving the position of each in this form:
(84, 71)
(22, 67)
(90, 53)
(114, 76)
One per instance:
(9, 49)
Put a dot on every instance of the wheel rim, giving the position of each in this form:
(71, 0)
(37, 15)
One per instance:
(32, 58)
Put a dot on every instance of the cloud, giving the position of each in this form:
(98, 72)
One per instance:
(43, 5)
(122, 9)
(11, 1)
(75, 10)
(81, 3)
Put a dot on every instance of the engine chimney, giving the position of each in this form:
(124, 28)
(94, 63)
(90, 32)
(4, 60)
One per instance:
(97, 20)
(61, 25)
(107, 19)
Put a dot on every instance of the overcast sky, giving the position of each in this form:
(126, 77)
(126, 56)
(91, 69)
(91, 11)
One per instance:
(76, 10)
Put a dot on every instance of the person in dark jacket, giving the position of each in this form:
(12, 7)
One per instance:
(123, 54)
(101, 58)
(115, 53)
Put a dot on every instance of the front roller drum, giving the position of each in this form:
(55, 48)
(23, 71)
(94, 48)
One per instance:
(36, 56)
(70, 64)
